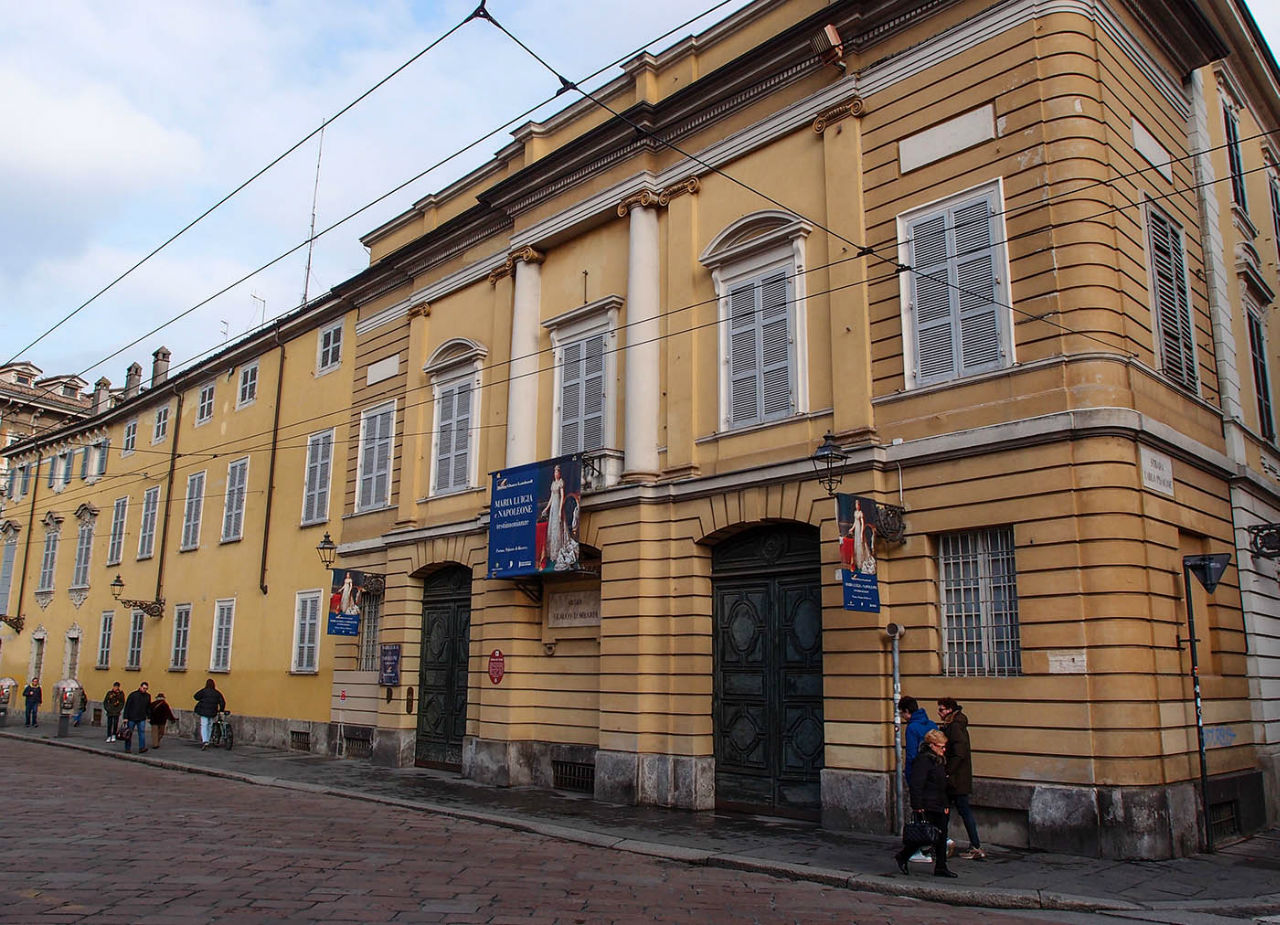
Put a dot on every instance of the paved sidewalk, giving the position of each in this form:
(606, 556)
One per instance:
(1242, 879)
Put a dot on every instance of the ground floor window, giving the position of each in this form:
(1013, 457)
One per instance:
(979, 598)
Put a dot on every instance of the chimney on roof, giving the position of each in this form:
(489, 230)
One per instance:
(101, 395)
(132, 380)
(160, 366)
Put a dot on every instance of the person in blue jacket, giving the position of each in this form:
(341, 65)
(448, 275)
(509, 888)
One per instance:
(917, 723)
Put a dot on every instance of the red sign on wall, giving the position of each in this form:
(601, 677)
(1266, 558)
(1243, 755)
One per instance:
(497, 666)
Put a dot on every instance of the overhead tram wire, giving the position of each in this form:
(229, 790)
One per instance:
(234, 446)
(179, 316)
(207, 212)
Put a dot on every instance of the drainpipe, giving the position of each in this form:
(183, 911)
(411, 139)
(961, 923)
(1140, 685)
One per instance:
(31, 523)
(896, 631)
(271, 467)
(168, 499)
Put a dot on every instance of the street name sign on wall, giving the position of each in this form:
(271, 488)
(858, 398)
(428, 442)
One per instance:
(533, 518)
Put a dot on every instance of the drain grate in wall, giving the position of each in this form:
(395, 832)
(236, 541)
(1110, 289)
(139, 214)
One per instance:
(299, 741)
(1224, 819)
(574, 775)
(357, 746)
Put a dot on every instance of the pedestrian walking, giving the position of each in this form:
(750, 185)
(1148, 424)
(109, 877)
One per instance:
(32, 696)
(915, 725)
(137, 710)
(82, 704)
(209, 703)
(960, 771)
(929, 803)
(161, 715)
(113, 705)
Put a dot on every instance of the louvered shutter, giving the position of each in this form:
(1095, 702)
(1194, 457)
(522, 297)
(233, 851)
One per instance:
(84, 463)
(461, 435)
(444, 439)
(315, 502)
(930, 306)
(571, 387)
(976, 287)
(382, 474)
(593, 394)
(744, 360)
(1172, 303)
(775, 346)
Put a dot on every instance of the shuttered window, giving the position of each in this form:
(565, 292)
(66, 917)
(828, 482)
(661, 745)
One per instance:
(220, 652)
(306, 632)
(582, 395)
(1170, 300)
(315, 496)
(1274, 186)
(6, 570)
(761, 359)
(193, 511)
(115, 545)
(1235, 161)
(48, 561)
(233, 503)
(377, 433)
(84, 551)
(1261, 375)
(955, 292)
(453, 435)
(147, 526)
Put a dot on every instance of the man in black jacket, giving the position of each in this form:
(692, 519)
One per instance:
(137, 708)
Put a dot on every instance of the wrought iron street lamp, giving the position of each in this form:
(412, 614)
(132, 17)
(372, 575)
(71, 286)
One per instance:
(828, 462)
(150, 608)
(327, 550)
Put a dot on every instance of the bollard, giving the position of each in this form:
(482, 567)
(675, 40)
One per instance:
(64, 725)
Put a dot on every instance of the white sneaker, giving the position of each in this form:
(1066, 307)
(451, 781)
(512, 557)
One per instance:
(951, 847)
(111, 738)
(920, 858)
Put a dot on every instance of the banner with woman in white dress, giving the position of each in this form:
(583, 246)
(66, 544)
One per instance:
(858, 519)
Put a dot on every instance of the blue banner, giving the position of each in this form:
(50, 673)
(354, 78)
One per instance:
(857, 520)
(533, 518)
(346, 596)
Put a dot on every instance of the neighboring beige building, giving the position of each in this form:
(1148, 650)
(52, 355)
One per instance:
(1018, 259)
(31, 402)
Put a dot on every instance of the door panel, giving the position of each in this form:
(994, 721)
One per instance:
(442, 676)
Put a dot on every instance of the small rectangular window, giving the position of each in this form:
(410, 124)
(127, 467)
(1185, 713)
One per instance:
(204, 404)
(377, 436)
(223, 617)
(161, 429)
(315, 495)
(130, 441)
(104, 639)
(306, 632)
(134, 658)
(330, 348)
(192, 511)
(115, 545)
(248, 385)
(233, 506)
(84, 550)
(979, 594)
(181, 637)
(147, 528)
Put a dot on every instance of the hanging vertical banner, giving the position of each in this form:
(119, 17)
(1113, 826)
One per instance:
(533, 518)
(858, 519)
(345, 599)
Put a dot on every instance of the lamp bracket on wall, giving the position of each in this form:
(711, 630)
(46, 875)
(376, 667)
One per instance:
(16, 622)
(1264, 540)
(891, 524)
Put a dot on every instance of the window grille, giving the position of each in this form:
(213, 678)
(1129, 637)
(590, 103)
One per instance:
(980, 603)
(369, 619)
(299, 740)
(579, 776)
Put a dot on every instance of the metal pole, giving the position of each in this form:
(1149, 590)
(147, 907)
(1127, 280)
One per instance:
(900, 810)
(1195, 684)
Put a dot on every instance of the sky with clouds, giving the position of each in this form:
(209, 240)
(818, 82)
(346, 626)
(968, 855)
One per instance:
(127, 120)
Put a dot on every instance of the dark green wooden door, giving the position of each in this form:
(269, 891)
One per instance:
(768, 662)
(446, 639)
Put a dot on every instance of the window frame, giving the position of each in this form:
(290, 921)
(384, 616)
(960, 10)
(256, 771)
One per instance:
(1259, 348)
(106, 623)
(304, 625)
(147, 522)
(129, 441)
(229, 606)
(1179, 278)
(578, 326)
(233, 501)
(193, 512)
(180, 640)
(449, 383)
(137, 628)
(1235, 155)
(84, 550)
(160, 428)
(370, 443)
(119, 523)
(8, 563)
(247, 382)
(368, 652)
(983, 561)
(49, 561)
(204, 411)
(326, 360)
(312, 494)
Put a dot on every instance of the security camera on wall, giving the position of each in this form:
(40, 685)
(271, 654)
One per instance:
(895, 630)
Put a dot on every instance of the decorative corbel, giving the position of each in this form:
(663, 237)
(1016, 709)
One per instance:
(852, 107)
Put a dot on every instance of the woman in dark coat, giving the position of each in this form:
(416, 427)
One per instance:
(960, 771)
(209, 703)
(161, 715)
(929, 800)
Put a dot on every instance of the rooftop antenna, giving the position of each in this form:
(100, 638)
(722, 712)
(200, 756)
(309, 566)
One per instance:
(263, 302)
(226, 329)
(311, 238)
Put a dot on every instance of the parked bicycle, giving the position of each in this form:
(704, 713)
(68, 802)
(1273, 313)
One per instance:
(221, 733)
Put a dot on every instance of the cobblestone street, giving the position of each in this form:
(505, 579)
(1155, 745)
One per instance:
(95, 839)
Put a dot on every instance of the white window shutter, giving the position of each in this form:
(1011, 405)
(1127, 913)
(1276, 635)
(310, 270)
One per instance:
(931, 299)
(976, 287)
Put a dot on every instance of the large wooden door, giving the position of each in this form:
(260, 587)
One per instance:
(768, 714)
(446, 640)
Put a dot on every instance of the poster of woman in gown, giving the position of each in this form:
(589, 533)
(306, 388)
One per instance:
(558, 519)
(857, 520)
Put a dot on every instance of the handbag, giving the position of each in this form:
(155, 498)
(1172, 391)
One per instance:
(918, 832)
(126, 731)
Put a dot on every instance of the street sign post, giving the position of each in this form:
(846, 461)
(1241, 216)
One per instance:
(1208, 570)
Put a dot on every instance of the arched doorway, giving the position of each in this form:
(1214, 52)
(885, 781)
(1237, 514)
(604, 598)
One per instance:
(442, 676)
(768, 718)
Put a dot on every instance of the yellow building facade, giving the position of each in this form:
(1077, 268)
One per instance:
(996, 250)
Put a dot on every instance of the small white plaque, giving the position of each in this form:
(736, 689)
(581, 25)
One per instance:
(383, 369)
(947, 138)
(1068, 661)
(1157, 471)
(1151, 150)
(574, 608)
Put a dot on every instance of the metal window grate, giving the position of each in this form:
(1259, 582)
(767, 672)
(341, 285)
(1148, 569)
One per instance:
(1224, 819)
(979, 595)
(299, 741)
(357, 747)
(574, 775)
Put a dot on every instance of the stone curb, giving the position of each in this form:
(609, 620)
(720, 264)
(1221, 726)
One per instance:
(889, 885)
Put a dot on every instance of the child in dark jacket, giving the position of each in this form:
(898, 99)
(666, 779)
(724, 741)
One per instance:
(161, 715)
